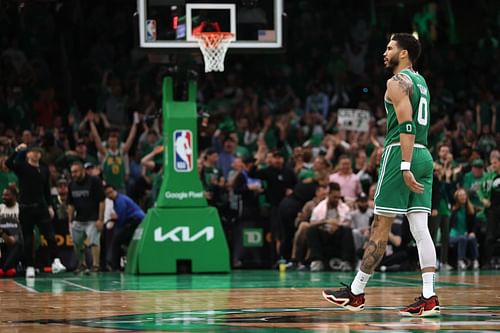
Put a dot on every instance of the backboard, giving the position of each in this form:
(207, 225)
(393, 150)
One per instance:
(169, 24)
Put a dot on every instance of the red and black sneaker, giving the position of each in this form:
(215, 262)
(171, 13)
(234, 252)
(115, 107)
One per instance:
(345, 298)
(11, 272)
(423, 307)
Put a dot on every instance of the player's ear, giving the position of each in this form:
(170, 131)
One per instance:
(403, 54)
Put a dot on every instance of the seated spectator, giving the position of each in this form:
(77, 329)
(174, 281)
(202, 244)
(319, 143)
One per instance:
(330, 236)
(125, 219)
(11, 237)
(302, 224)
(396, 252)
(462, 229)
(360, 222)
(291, 206)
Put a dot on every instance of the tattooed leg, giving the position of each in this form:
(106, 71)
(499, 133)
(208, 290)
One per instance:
(375, 249)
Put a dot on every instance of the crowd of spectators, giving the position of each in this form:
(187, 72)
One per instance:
(272, 154)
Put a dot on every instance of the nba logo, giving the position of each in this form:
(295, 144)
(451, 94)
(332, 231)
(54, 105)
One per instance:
(183, 151)
(150, 30)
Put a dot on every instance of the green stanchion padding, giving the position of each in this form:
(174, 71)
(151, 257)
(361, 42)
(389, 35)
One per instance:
(169, 235)
(181, 186)
(181, 226)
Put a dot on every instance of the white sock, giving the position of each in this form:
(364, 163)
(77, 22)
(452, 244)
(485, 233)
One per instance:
(428, 284)
(359, 283)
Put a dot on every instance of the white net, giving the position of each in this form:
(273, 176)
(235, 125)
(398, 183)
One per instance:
(214, 46)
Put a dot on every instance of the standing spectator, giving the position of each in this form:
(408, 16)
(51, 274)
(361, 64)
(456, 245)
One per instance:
(79, 154)
(212, 178)
(34, 203)
(361, 170)
(350, 186)
(280, 182)
(463, 228)
(52, 152)
(317, 101)
(11, 237)
(227, 155)
(86, 199)
(107, 235)
(114, 154)
(125, 219)
(27, 138)
(246, 191)
(442, 188)
(302, 222)
(491, 200)
(396, 251)
(330, 235)
(60, 219)
(115, 104)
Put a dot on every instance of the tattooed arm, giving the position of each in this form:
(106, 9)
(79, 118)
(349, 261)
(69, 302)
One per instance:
(399, 90)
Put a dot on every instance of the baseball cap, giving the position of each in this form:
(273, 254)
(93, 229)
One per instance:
(278, 154)
(62, 180)
(362, 196)
(88, 165)
(35, 147)
(80, 142)
(478, 163)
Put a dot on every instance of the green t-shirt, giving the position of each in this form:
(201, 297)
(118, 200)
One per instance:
(113, 169)
(460, 227)
(444, 207)
(271, 138)
(485, 189)
(305, 173)
(473, 185)
(243, 152)
(210, 173)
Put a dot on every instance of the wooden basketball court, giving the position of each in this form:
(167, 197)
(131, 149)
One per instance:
(242, 301)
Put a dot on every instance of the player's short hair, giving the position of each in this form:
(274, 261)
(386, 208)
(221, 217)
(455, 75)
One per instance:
(409, 43)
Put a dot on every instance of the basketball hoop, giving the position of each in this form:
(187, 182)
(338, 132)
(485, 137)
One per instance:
(213, 46)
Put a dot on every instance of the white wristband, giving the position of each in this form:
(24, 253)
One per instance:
(405, 166)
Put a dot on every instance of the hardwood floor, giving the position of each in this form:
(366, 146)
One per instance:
(242, 301)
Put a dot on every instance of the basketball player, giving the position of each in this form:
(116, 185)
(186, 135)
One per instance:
(405, 182)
